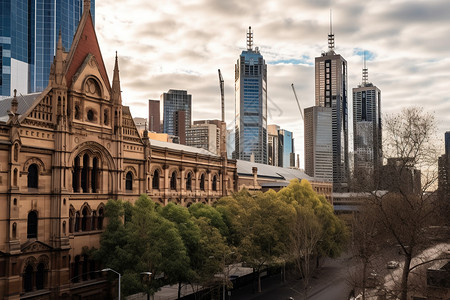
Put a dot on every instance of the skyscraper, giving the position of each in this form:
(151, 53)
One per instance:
(177, 109)
(319, 143)
(28, 39)
(331, 91)
(154, 119)
(251, 104)
(286, 149)
(367, 133)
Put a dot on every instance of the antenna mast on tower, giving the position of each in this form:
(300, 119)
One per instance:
(331, 35)
(249, 38)
(365, 71)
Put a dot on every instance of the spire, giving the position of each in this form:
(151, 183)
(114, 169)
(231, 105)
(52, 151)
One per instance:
(59, 70)
(14, 103)
(116, 93)
(365, 71)
(86, 5)
(331, 35)
(249, 38)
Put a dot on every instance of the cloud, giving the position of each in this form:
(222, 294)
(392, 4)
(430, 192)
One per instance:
(181, 44)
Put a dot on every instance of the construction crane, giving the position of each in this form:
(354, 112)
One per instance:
(222, 95)
(298, 103)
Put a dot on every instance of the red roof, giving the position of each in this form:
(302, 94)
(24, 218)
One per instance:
(85, 42)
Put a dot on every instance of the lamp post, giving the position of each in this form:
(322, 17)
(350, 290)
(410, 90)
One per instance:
(109, 269)
(148, 274)
(225, 275)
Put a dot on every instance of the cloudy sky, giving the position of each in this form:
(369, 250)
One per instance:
(175, 44)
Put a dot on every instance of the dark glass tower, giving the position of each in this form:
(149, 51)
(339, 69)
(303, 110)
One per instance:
(28, 38)
(367, 134)
(331, 91)
(251, 104)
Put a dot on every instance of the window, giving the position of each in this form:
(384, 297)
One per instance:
(28, 279)
(40, 276)
(32, 225)
(90, 115)
(100, 218)
(202, 182)
(189, 182)
(173, 181)
(84, 219)
(214, 183)
(84, 174)
(129, 181)
(32, 176)
(105, 117)
(155, 180)
(94, 175)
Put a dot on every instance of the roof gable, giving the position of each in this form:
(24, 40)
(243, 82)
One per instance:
(85, 42)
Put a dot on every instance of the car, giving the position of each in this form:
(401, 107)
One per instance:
(393, 264)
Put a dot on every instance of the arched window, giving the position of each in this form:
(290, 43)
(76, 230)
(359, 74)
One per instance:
(85, 174)
(76, 175)
(40, 276)
(14, 230)
(129, 181)
(100, 218)
(173, 181)
(189, 182)
(28, 279)
(32, 176)
(94, 175)
(202, 182)
(84, 219)
(77, 221)
(32, 225)
(155, 180)
(15, 177)
(71, 220)
(214, 183)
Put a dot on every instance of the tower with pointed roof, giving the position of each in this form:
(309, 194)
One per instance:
(367, 132)
(251, 104)
(331, 91)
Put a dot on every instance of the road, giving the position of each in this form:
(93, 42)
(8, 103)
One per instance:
(329, 284)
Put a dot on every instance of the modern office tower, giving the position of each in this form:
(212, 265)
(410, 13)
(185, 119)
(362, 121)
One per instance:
(28, 39)
(141, 124)
(222, 129)
(319, 143)
(367, 134)
(175, 102)
(444, 172)
(331, 91)
(272, 146)
(204, 135)
(286, 149)
(154, 117)
(251, 104)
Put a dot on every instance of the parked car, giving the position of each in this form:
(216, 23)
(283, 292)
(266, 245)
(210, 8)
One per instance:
(392, 264)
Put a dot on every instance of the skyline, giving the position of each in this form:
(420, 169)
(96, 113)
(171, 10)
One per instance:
(181, 44)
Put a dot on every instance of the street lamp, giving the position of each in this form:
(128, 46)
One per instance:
(225, 274)
(148, 274)
(109, 269)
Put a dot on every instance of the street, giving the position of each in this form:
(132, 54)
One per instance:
(330, 283)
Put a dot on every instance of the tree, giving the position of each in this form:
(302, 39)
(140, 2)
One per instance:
(334, 233)
(406, 209)
(147, 242)
(304, 238)
(263, 223)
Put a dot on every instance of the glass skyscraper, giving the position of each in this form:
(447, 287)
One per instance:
(28, 38)
(251, 104)
(331, 91)
(177, 109)
(367, 132)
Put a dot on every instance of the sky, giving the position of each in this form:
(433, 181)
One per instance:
(174, 44)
